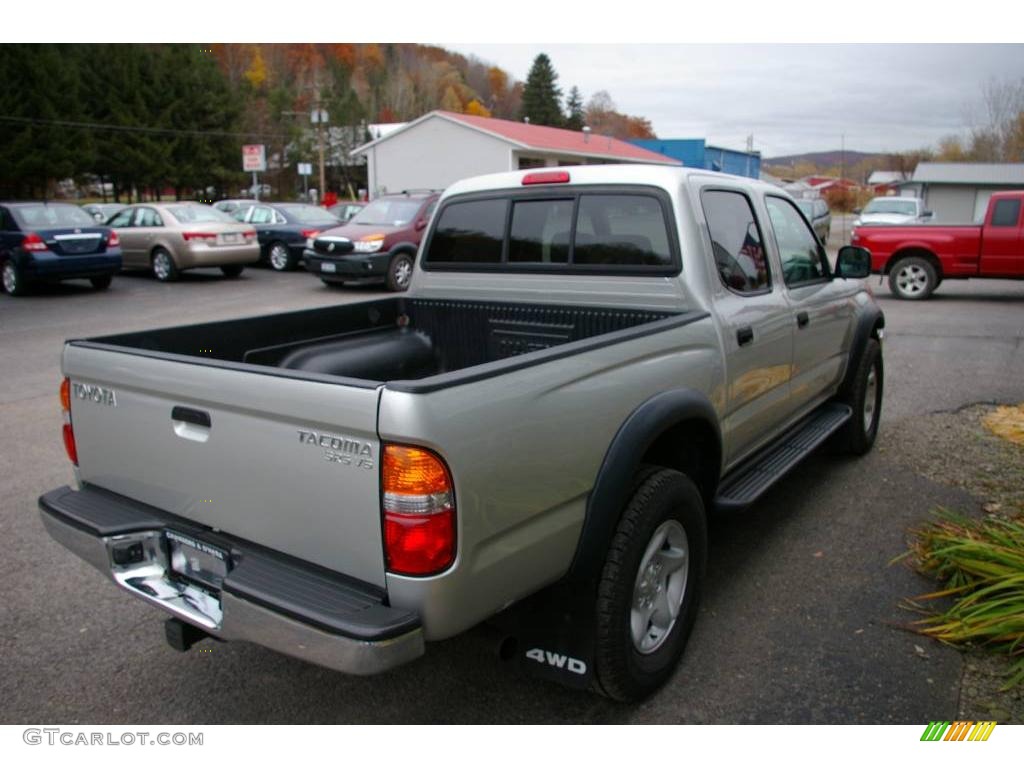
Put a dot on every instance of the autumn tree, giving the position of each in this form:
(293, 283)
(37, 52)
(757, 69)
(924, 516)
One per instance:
(541, 95)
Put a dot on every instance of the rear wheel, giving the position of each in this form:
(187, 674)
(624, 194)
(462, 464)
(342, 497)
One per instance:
(650, 585)
(399, 272)
(101, 283)
(913, 277)
(164, 268)
(232, 270)
(280, 258)
(13, 280)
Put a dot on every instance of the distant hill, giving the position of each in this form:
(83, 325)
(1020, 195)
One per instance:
(823, 159)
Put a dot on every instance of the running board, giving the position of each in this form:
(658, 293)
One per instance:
(745, 485)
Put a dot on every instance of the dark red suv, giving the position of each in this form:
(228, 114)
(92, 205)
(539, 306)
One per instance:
(378, 245)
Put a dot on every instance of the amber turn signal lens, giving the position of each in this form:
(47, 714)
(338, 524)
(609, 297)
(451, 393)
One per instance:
(409, 470)
(65, 394)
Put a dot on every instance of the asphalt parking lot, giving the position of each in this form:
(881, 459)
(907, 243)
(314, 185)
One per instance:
(798, 624)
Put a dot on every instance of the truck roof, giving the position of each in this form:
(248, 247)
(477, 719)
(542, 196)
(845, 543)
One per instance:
(669, 177)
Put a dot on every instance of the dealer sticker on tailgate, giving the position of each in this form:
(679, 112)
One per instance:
(198, 560)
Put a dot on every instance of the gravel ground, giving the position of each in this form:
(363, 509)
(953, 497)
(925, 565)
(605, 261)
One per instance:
(954, 448)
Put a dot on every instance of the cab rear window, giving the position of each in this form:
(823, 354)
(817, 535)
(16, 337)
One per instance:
(580, 231)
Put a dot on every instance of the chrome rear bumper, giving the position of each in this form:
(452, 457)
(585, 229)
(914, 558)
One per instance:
(378, 638)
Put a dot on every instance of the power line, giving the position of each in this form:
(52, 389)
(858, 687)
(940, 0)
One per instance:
(137, 128)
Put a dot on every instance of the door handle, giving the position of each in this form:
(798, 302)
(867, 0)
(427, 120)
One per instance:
(745, 335)
(802, 319)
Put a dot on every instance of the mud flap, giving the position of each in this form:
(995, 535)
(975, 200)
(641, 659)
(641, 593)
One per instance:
(551, 635)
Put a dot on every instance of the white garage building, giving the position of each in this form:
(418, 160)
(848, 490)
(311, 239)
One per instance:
(440, 148)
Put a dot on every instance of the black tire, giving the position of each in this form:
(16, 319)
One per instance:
(622, 671)
(12, 279)
(167, 273)
(101, 283)
(232, 270)
(858, 434)
(399, 272)
(332, 283)
(284, 261)
(913, 278)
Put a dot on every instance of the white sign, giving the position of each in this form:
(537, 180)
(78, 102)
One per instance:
(305, 169)
(254, 157)
(318, 116)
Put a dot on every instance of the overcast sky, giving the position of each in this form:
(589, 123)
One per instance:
(793, 99)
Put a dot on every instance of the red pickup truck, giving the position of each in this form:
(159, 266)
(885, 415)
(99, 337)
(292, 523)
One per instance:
(917, 258)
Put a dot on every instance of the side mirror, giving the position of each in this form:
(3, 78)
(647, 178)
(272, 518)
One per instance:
(857, 211)
(421, 224)
(853, 261)
(926, 214)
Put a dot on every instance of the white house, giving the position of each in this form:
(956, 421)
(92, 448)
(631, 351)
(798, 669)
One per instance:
(440, 148)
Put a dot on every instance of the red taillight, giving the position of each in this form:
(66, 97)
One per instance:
(419, 511)
(113, 241)
(547, 177)
(307, 233)
(209, 237)
(33, 242)
(250, 234)
(69, 432)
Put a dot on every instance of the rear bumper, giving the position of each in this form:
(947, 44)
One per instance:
(49, 266)
(266, 598)
(217, 255)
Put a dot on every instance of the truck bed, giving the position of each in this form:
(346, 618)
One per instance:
(389, 340)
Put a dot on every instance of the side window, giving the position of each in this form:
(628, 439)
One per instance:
(469, 233)
(122, 219)
(147, 217)
(540, 231)
(621, 230)
(803, 258)
(736, 241)
(262, 215)
(1006, 213)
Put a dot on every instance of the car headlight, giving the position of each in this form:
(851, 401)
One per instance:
(369, 244)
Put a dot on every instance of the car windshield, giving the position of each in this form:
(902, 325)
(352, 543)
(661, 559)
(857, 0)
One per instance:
(191, 214)
(807, 207)
(53, 215)
(387, 213)
(881, 205)
(309, 214)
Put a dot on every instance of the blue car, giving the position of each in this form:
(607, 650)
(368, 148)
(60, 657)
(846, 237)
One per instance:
(284, 229)
(49, 242)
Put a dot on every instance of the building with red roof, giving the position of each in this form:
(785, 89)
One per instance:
(439, 148)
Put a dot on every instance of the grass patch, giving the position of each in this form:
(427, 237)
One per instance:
(979, 564)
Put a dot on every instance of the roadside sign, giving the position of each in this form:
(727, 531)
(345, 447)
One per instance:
(318, 116)
(254, 157)
(305, 169)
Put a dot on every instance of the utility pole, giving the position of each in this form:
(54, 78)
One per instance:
(320, 117)
(842, 175)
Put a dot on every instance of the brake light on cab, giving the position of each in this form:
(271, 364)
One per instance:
(69, 432)
(546, 177)
(419, 511)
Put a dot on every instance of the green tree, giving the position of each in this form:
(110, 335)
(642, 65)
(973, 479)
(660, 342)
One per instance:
(542, 96)
(575, 118)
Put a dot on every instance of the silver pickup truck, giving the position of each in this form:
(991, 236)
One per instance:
(589, 362)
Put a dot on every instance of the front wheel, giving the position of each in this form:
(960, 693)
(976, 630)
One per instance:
(913, 277)
(399, 272)
(232, 270)
(865, 398)
(650, 585)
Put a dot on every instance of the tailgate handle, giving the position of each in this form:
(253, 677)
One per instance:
(191, 416)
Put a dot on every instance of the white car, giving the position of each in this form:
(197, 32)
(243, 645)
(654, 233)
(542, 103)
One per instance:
(893, 210)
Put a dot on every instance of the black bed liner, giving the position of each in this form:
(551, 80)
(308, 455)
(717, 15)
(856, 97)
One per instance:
(412, 344)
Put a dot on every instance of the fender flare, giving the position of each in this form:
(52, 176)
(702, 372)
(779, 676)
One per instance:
(869, 321)
(614, 483)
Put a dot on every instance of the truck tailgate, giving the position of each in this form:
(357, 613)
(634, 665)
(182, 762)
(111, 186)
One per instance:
(286, 463)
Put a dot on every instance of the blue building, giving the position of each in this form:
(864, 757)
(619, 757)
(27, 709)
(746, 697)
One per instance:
(694, 153)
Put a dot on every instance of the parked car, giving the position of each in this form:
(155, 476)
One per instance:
(919, 257)
(892, 210)
(378, 245)
(283, 229)
(102, 211)
(817, 213)
(50, 242)
(534, 435)
(346, 209)
(230, 206)
(167, 238)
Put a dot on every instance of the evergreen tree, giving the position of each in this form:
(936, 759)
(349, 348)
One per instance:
(574, 107)
(542, 97)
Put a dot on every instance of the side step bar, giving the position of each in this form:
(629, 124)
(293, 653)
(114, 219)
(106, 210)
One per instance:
(744, 485)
